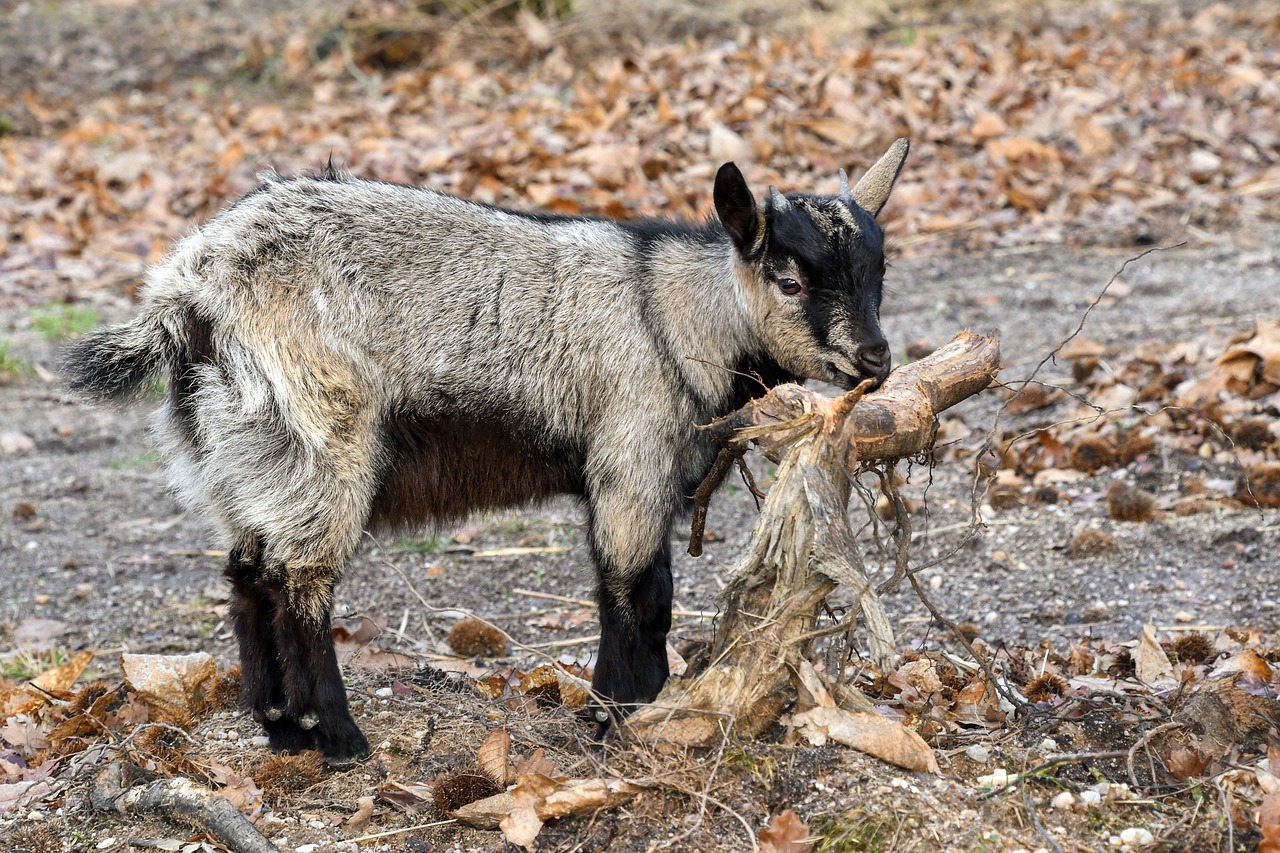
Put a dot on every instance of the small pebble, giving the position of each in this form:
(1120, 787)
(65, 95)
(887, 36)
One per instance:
(1090, 798)
(1048, 745)
(1136, 836)
(978, 754)
(1114, 841)
(307, 848)
(382, 692)
(1065, 800)
(35, 815)
(315, 824)
(1183, 616)
(260, 740)
(106, 842)
(233, 736)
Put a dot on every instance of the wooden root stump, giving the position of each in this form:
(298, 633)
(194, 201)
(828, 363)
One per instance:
(802, 546)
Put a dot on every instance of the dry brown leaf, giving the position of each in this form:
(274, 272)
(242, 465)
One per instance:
(362, 814)
(1151, 662)
(486, 813)
(522, 825)
(786, 833)
(1269, 824)
(56, 682)
(1247, 662)
(493, 755)
(873, 734)
(537, 762)
(169, 683)
(1185, 762)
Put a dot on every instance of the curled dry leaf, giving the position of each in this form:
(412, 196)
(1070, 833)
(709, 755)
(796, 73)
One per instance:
(57, 681)
(493, 755)
(786, 833)
(1151, 662)
(168, 682)
(1269, 824)
(362, 814)
(873, 734)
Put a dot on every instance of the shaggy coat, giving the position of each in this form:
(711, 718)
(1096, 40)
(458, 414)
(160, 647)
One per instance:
(345, 355)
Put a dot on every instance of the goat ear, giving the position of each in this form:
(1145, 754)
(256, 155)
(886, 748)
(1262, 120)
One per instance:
(872, 190)
(737, 209)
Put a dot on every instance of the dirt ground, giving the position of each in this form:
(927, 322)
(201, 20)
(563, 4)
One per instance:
(91, 541)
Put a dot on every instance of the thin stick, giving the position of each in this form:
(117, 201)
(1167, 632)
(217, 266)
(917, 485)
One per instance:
(1035, 818)
(555, 644)
(702, 495)
(1144, 742)
(531, 593)
(400, 831)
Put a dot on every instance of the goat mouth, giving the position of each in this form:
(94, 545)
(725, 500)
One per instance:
(849, 381)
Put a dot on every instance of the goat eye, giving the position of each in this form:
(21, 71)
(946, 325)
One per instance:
(789, 286)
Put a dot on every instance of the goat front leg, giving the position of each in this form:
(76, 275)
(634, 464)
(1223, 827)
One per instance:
(633, 569)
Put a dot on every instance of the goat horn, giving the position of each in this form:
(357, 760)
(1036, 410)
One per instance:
(845, 195)
(780, 202)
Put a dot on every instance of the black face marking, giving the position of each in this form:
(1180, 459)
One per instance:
(838, 250)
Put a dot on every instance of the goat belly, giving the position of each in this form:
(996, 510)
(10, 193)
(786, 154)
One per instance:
(444, 468)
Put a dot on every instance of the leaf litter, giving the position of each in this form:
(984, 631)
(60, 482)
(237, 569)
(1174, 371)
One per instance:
(1049, 128)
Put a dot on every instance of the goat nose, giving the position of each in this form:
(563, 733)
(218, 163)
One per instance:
(873, 359)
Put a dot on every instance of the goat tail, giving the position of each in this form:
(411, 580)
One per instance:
(113, 363)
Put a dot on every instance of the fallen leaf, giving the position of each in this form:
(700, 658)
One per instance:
(362, 814)
(1269, 824)
(786, 833)
(1151, 662)
(492, 757)
(873, 734)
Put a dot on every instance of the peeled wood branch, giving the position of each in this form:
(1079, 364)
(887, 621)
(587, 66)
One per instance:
(802, 546)
(181, 800)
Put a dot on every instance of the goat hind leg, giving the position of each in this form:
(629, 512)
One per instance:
(261, 682)
(315, 697)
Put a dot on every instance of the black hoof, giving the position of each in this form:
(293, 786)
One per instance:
(285, 735)
(345, 748)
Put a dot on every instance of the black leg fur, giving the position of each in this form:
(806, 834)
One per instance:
(631, 666)
(261, 686)
(315, 698)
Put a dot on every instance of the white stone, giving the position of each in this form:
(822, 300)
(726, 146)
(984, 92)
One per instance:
(260, 740)
(1090, 798)
(107, 842)
(306, 848)
(1048, 745)
(12, 441)
(978, 754)
(1136, 836)
(1203, 165)
(382, 692)
(1065, 800)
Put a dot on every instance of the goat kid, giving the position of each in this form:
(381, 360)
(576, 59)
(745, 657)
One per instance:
(344, 355)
